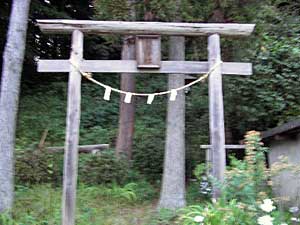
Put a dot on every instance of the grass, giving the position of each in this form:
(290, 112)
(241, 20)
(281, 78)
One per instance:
(99, 205)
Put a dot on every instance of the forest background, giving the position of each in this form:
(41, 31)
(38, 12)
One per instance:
(266, 99)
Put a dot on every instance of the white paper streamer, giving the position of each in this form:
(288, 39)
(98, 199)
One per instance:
(173, 95)
(107, 93)
(128, 97)
(150, 99)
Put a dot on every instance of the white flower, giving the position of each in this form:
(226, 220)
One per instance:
(294, 209)
(295, 219)
(265, 220)
(199, 219)
(267, 206)
(283, 224)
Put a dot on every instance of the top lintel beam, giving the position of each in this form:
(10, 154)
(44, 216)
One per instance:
(139, 28)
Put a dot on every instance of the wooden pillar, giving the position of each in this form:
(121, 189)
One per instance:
(208, 161)
(216, 113)
(72, 133)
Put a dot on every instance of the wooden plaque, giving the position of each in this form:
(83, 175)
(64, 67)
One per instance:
(148, 51)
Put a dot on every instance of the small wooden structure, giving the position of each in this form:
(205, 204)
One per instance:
(81, 149)
(148, 51)
(148, 62)
(284, 142)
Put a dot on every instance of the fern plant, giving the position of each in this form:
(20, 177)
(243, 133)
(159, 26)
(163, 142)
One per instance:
(5, 219)
(127, 192)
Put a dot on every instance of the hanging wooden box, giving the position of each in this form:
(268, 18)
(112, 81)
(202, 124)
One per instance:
(148, 51)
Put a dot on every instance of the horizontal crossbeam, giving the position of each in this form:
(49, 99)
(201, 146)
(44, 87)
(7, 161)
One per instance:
(130, 66)
(226, 146)
(81, 148)
(135, 28)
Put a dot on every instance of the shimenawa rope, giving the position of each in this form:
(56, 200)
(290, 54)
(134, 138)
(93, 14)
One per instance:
(151, 96)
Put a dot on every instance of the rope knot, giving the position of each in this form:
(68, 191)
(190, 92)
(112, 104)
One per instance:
(87, 75)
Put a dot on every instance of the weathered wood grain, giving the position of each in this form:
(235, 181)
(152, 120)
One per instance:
(72, 134)
(140, 28)
(216, 114)
(173, 182)
(226, 146)
(130, 66)
(148, 51)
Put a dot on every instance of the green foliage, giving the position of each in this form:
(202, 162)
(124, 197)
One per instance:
(163, 217)
(271, 96)
(112, 10)
(230, 213)
(38, 205)
(148, 150)
(200, 189)
(102, 168)
(39, 111)
(268, 98)
(200, 170)
(145, 191)
(130, 192)
(243, 192)
(149, 133)
(196, 193)
(126, 193)
(5, 219)
(246, 180)
(103, 205)
(37, 167)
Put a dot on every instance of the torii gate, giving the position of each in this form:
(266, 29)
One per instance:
(147, 62)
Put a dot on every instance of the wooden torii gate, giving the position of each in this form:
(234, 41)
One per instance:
(216, 111)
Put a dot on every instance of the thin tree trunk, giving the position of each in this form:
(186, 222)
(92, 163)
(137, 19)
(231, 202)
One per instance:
(127, 111)
(11, 77)
(173, 183)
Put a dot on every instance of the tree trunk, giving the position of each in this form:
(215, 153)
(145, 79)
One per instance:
(9, 98)
(127, 111)
(173, 184)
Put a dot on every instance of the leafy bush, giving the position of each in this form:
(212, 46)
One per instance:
(145, 191)
(5, 219)
(201, 189)
(130, 193)
(103, 168)
(127, 192)
(148, 152)
(37, 166)
(163, 217)
(246, 181)
(245, 198)
(229, 213)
